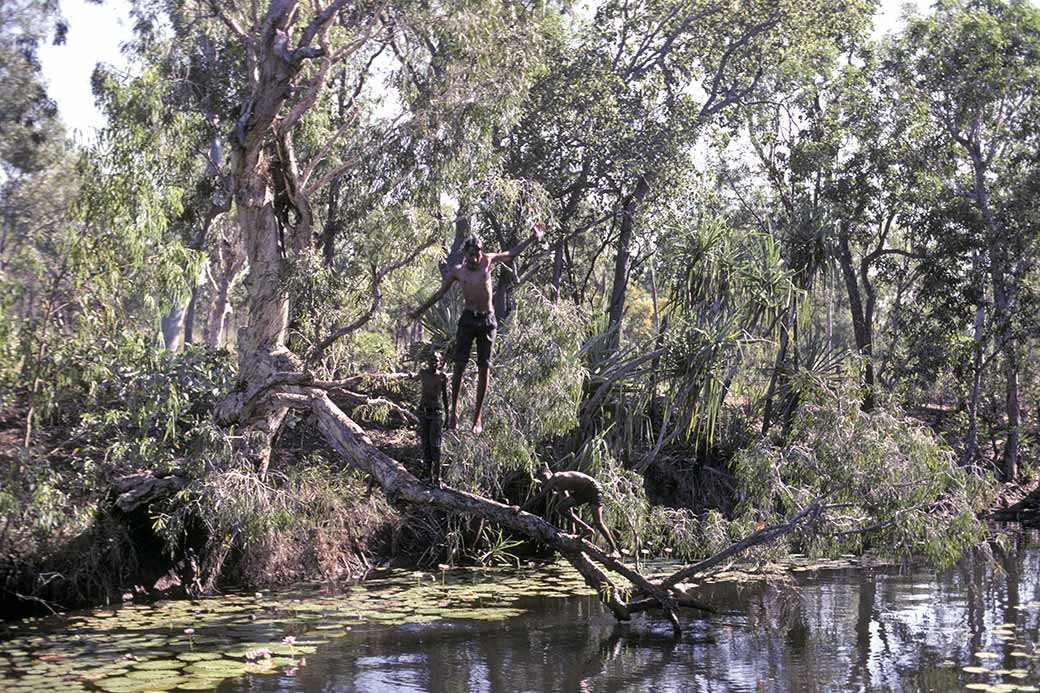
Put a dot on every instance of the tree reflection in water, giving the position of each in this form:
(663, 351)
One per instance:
(848, 630)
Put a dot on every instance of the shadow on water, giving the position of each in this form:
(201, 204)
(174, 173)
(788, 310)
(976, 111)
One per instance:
(842, 630)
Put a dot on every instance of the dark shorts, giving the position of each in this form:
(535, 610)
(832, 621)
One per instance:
(589, 496)
(479, 327)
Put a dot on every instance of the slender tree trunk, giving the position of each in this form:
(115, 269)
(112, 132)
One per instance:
(623, 256)
(557, 277)
(971, 445)
(778, 366)
(332, 223)
(173, 328)
(1003, 329)
(189, 316)
(861, 327)
(463, 228)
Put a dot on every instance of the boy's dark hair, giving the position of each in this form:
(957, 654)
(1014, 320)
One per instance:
(473, 241)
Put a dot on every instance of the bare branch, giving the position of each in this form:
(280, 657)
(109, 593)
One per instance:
(308, 169)
(710, 107)
(377, 299)
(355, 380)
(217, 7)
(320, 23)
(345, 166)
(806, 515)
(310, 96)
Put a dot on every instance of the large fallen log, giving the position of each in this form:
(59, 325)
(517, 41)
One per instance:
(351, 442)
(139, 490)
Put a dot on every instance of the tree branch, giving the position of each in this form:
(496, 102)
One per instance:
(806, 515)
(377, 298)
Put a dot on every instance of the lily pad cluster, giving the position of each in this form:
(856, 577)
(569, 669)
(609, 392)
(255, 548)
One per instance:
(194, 645)
(1024, 675)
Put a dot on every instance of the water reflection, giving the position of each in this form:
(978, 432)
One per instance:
(850, 630)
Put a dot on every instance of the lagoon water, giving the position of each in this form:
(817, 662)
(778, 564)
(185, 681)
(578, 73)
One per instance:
(843, 630)
(835, 627)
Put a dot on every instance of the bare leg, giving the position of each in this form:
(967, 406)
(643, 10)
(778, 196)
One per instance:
(569, 513)
(483, 374)
(456, 385)
(597, 517)
(587, 531)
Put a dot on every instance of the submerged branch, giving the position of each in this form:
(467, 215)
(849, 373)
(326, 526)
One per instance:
(805, 516)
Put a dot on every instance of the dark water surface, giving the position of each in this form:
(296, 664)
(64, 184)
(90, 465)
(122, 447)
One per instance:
(842, 630)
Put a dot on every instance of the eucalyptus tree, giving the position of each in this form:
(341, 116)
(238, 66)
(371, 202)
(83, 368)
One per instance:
(455, 63)
(31, 135)
(77, 226)
(975, 65)
(630, 93)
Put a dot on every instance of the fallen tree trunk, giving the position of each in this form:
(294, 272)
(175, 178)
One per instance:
(135, 491)
(351, 442)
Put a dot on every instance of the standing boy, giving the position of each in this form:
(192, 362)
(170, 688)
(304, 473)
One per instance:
(432, 405)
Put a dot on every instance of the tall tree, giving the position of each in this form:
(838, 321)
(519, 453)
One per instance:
(616, 117)
(976, 65)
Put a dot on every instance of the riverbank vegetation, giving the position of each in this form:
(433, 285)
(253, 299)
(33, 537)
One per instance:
(788, 290)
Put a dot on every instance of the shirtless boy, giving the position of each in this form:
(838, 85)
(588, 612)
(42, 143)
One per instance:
(477, 322)
(434, 383)
(575, 489)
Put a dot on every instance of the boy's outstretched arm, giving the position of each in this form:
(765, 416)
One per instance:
(537, 233)
(446, 283)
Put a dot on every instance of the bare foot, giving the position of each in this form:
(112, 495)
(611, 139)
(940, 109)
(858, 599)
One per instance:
(616, 555)
(478, 427)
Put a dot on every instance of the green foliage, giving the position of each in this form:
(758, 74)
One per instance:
(850, 172)
(37, 514)
(888, 484)
(124, 401)
(302, 521)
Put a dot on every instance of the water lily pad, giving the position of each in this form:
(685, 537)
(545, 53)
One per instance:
(197, 656)
(158, 664)
(987, 655)
(976, 670)
(200, 684)
(127, 684)
(215, 668)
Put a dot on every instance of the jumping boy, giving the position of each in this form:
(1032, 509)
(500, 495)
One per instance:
(477, 322)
